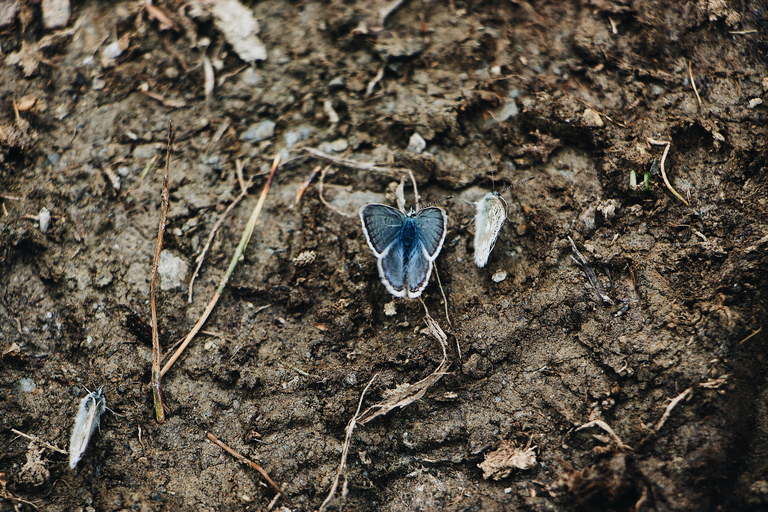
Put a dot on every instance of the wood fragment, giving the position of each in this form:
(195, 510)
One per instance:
(249, 462)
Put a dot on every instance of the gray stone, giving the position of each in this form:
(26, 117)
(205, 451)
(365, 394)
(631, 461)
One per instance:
(417, 144)
(172, 271)
(258, 132)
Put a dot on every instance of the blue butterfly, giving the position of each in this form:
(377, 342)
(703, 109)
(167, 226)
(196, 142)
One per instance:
(405, 245)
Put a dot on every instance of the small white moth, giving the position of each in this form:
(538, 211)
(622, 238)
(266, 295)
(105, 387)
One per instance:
(86, 422)
(491, 214)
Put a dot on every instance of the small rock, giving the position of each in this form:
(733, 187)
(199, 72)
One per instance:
(112, 51)
(45, 219)
(417, 144)
(172, 271)
(499, 276)
(26, 385)
(55, 13)
(508, 110)
(755, 102)
(336, 83)
(389, 309)
(336, 146)
(592, 119)
(146, 150)
(258, 132)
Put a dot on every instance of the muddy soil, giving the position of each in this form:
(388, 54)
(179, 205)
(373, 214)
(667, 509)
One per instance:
(664, 367)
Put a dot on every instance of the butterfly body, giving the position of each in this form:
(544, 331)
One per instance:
(490, 217)
(405, 245)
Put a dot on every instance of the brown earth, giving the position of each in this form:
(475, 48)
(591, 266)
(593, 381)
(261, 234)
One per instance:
(568, 92)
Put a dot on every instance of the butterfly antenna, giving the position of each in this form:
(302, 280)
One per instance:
(436, 202)
(518, 183)
(493, 181)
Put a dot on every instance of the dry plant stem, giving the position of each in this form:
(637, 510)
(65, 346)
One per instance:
(38, 440)
(591, 276)
(304, 186)
(663, 171)
(322, 198)
(157, 394)
(693, 83)
(445, 304)
(246, 460)
(215, 229)
(341, 162)
(603, 425)
(664, 417)
(345, 451)
(232, 265)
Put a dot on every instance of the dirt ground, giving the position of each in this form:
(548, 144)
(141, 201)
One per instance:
(666, 371)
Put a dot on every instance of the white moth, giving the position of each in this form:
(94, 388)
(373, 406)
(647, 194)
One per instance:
(86, 422)
(491, 214)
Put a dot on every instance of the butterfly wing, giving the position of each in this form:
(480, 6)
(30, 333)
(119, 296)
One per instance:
(491, 214)
(417, 272)
(382, 225)
(431, 224)
(391, 268)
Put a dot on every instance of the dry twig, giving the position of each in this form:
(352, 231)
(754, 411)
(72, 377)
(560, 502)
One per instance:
(232, 265)
(345, 450)
(38, 440)
(219, 222)
(246, 460)
(342, 162)
(157, 394)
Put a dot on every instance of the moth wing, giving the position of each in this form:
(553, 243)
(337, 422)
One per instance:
(81, 432)
(491, 214)
(432, 223)
(382, 225)
(391, 269)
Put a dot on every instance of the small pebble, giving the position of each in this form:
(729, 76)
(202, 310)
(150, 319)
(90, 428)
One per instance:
(592, 119)
(389, 309)
(260, 131)
(417, 144)
(172, 271)
(499, 276)
(112, 51)
(337, 146)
